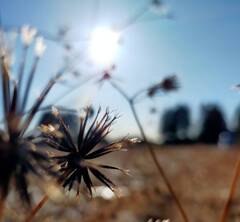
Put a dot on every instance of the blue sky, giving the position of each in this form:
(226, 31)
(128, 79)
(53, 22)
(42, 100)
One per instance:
(201, 45)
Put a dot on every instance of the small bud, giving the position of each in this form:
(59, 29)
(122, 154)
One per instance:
(28, 34)
(40, 47)
(8, 59)
(168, 84)
(236, 87)
(159, 8)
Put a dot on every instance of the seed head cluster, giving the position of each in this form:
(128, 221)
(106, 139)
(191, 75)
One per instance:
(75, 164)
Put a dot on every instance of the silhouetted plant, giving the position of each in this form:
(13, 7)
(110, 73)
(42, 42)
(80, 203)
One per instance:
(75, 164)
(18, 153)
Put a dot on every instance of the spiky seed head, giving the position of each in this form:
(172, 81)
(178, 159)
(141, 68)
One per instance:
(76, 163)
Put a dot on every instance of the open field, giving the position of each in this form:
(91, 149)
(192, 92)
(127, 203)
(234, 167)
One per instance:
(201, 176)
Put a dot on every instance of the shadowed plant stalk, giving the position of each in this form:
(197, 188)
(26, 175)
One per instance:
(131, 103)
(2, 206)
(232, 191)
(38, 207)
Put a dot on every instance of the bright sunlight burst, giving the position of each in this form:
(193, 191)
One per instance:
(103, 45)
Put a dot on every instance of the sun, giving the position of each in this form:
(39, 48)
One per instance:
(104, 43)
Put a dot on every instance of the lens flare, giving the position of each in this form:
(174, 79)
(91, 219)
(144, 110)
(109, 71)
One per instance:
(103, 45)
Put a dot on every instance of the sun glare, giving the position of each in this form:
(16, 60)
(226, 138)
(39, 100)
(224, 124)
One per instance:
(103, 45)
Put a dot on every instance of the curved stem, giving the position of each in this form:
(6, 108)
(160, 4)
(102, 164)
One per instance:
(160, 169)
(231, 193)
(158, 165)
(35, 210)
(2, 207)
(124, 95)
(21, 69)
(29, 84)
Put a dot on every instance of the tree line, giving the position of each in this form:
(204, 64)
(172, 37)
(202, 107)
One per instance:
(176, 126)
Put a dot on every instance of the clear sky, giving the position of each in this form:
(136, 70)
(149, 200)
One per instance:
(201, 45)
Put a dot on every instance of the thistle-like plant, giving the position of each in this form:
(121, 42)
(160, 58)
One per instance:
(18, 153)
(75, 163)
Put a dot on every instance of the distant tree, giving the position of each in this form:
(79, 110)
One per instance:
(168, 125)
(175, 124)
(213, 123)
(182, 118)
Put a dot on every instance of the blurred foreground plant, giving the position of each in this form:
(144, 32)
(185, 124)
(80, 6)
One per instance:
(19, 152)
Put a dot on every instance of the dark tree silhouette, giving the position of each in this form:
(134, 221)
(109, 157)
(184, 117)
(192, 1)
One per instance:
(213, 123)
(175, 124)
(168, 126)
(182, 118)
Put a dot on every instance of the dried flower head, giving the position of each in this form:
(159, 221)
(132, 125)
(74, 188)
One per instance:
(28, 33)
(236, 87)
(18, 158)
(19, 155)
(156, 4)
(107, 74)
(6, 49)
(168, 84)
(159, 7)
(40, 46)
(90, 111)
(76, 164)
(62, 32)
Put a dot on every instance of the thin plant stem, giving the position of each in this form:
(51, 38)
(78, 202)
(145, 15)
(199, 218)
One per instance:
(22, 68)
(232, 191)
(134, 18)
(2, 207)
(29, 84)
(152, 152)
(35, 210)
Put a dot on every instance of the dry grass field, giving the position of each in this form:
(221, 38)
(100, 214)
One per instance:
(201, 176)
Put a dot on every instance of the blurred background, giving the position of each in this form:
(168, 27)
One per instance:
(138, 43)
(197, 41)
